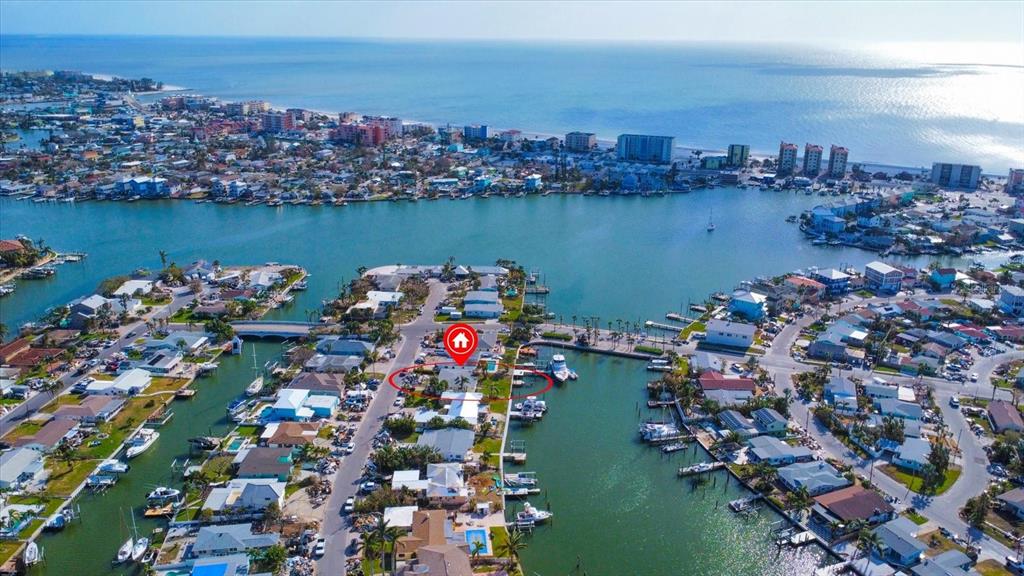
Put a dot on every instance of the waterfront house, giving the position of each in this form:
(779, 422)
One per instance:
(1011, 300)
(453, 443)
(852, 503)
(328, 364)
(899, 543)
(835, 282)
(483, 310)
(91, 409)
(244, 496)
(264, 462)
(439, 560)
(729, 334)
(773, 451)
(227, 565)
(179, 340)
(749, 305)
(21, 468)
(769, 421)
(817, 476)
(446, 485)
(883, 278)
(702, 362)
(465, 405)
(134, 288)
(943, 278)
(912, 454)
(229, 539)
(429, 528)
(49, 436)
(736, 422)
(1003, 416)
(726, 390)
(841, 393)
(289, 434)
(127, 383)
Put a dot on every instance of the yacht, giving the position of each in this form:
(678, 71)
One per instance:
(163, 493)
(531, 514)
(711, 224)
(238, 409)
(140, 442)
(532, 404)
(256, 385)
(654, 431)
(114, 467)
(558, 370)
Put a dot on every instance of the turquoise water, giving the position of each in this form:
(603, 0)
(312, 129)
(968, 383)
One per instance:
(87, 546)
(478, 535)
(881, 104)
(627, 258)
(618, 506)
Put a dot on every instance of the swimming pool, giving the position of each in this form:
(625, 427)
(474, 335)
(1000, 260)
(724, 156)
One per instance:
(478, 535)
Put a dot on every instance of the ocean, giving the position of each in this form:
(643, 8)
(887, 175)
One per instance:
(888, 105)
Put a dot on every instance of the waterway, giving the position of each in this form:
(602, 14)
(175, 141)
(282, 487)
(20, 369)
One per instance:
(618, 506)
(628, 258)
(88, 545)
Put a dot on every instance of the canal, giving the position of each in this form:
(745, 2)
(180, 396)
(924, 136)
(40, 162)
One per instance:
(88, 545)
(618, 505)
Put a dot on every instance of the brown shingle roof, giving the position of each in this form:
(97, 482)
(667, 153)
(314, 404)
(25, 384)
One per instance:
(854, 503)
(265, 461)
(1004, 416)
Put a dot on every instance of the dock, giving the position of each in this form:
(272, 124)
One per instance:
(701, 468)
(681, 437)
(538, 290)
(661, 326)
(658, 403)
(802, 538)
(514, 457)
(674, 447)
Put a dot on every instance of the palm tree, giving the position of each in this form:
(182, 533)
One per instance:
(478, 548)
(385, 535)
(868, 541)
(515, 544)
(163, 259)
(65, 453)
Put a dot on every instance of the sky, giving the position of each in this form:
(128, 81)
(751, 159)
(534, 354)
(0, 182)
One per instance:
(835, 23)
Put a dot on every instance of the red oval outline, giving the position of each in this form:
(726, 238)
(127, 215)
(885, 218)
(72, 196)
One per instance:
(391, 382)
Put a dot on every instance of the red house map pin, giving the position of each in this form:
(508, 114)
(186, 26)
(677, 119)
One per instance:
(460, 342)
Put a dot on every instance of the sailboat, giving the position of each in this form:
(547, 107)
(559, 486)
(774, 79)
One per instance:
(256, 385)
(141, 544)
(125, 551)
(711, 224)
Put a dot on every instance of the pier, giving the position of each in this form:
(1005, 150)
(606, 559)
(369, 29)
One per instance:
(661, 326)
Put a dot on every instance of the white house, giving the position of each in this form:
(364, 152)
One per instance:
(883, 277)
(731, 334)
(20, 467)
(133, 287)
(245, 495)
(126, 384)
(1011, 300)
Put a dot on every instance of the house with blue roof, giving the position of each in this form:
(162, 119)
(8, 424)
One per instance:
(899, 544)
(817, 476)
(747, 304)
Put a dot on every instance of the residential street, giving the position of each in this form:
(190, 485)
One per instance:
(126, 334)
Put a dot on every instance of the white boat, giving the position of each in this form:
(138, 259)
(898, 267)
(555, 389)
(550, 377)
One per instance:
(114, 467)
(139, 549)
(531, 514)
(558, 370)
(125, 551)
(140, 442)
(163, 493)
(31, 555)
(532, 405)
(256, 385)
(711, 224)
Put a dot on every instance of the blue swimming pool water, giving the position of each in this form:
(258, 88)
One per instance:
(478, 535)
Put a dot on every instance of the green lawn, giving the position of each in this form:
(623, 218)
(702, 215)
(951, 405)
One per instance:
(7, 549)
(493, 387)
(248, 431)
(991, 568)
(220, 467)
(63, 481)
(691, 328)
(914, 482)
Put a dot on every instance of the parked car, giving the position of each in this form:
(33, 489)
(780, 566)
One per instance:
(320, 547)
(350, 505)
